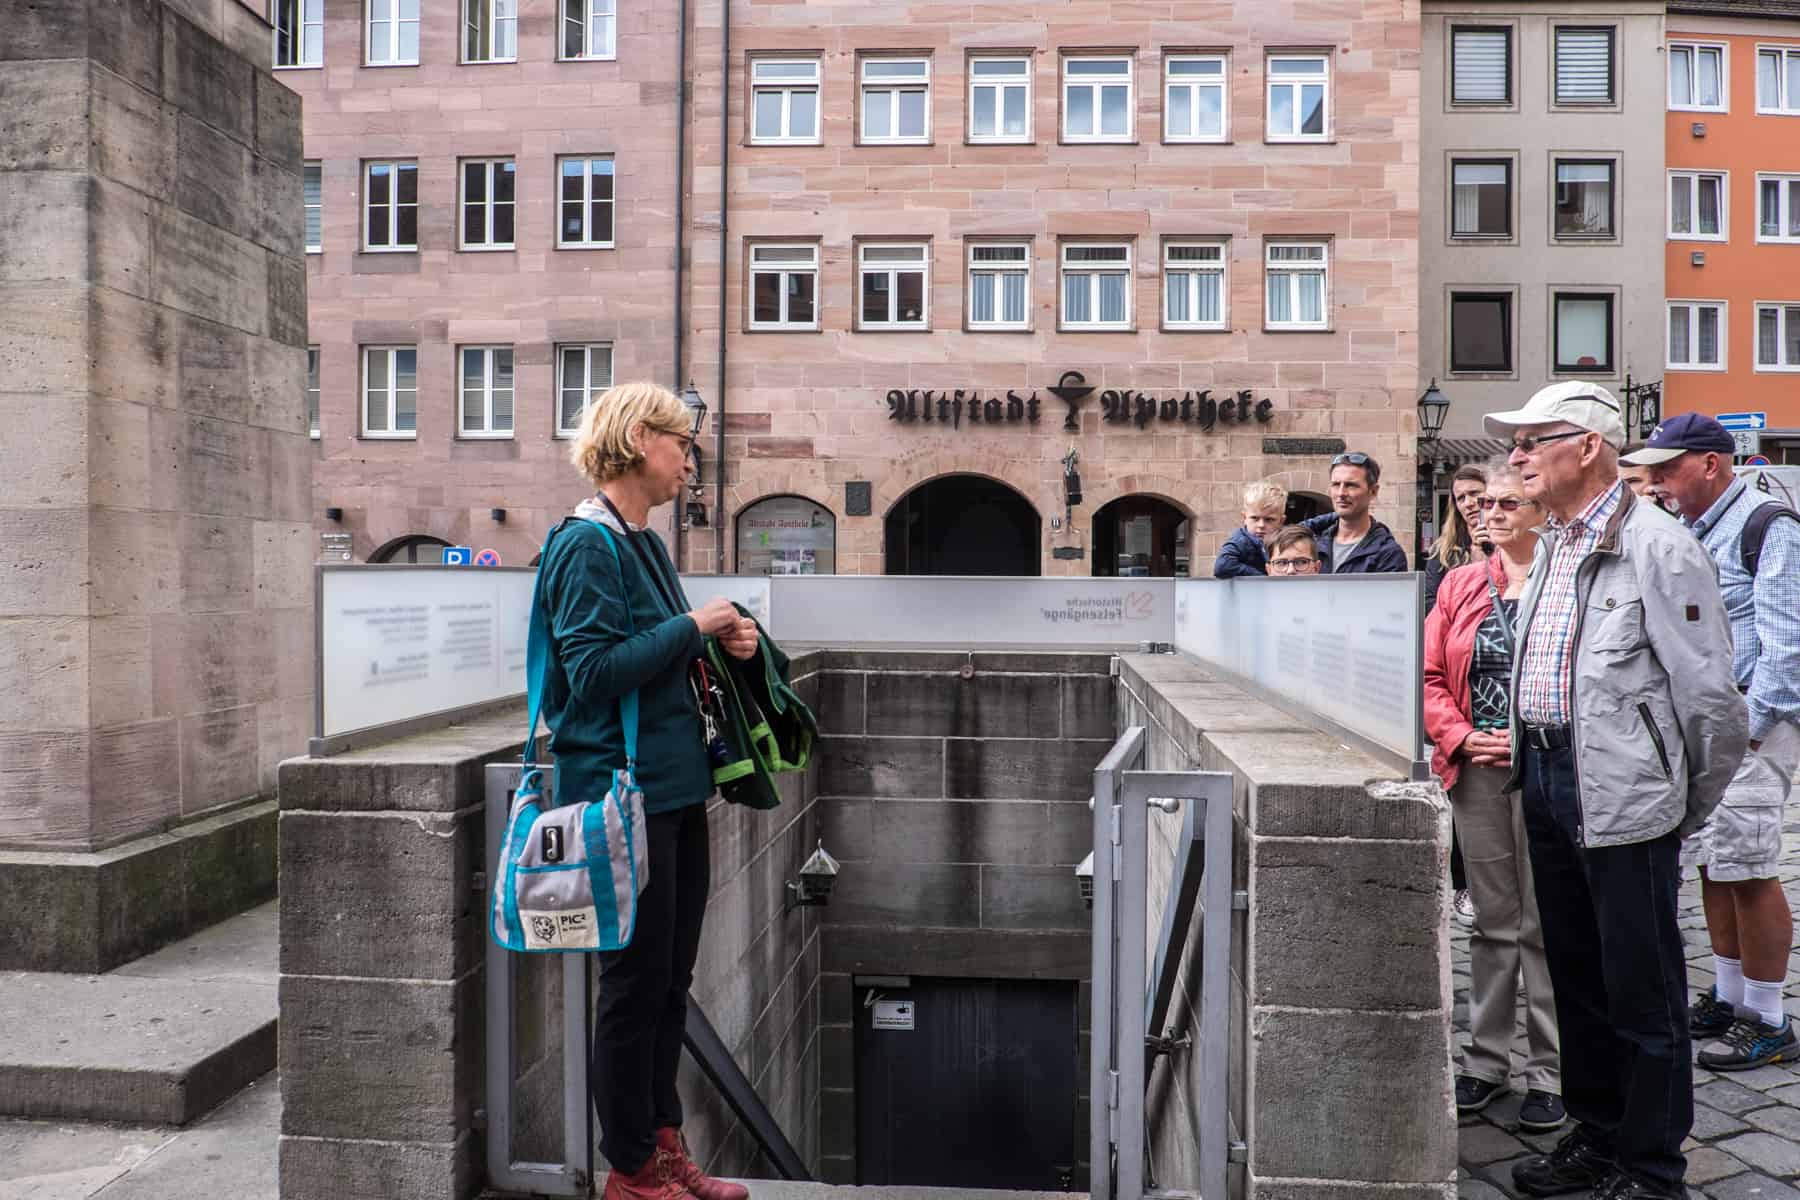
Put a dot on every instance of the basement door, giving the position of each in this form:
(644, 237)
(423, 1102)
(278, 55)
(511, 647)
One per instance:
(967, 1083)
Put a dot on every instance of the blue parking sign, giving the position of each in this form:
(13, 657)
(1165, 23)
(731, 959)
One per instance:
(458, 556)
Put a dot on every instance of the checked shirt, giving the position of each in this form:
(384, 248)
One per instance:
(1543, 696)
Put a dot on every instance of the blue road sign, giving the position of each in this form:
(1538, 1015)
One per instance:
(458, 556)
(1744, 420)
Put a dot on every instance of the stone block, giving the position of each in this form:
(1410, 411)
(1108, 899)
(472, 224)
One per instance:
(133, 135)
(202, 465)
(1324, 1070)
(39, 243)
(127, 39)
(1296, 790)
(1767, 1152)
(335, 1169)
(136, 351)
(50, 469)
(213, 365)
(278, 122)
(119, 223)
(44, 664)
(980, 953)
(991, 769)
(134, 780)
(207, 272)
(414, 913)
(203, 662)
(274, 214)
(136, 562)
(866, 766)
(405, 1058)
(118, 443)
(1088, 702)
(219, 758)
(358, 782)
(216, 557)
(282, 560)
(1039, 898)
(47, 777)
(907, 894)
(45, 573)
(45, 123)
(1312, 1189)
(284, 313)
(277, 387)
(1322, 907)
(840, 704)
(963, 831)
(987, 705)
(1048, 662)
(43, 351)
(287, 491)
(228, 862)
(206, 79)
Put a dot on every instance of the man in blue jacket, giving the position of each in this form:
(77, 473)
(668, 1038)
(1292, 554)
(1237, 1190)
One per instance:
(1351, 540)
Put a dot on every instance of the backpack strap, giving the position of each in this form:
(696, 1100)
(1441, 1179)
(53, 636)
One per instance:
(537, 659)
(1756, 527)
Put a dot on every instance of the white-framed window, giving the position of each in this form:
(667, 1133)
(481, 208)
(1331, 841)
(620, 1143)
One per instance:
(590, 29)
(1778, 336)
(490, 31)
(1000, 99)
(1481, 64)
(1697, 206)
(896, 99)
(390, 206)
(784, 286)
(1697, 80)
(784, 100)
(484, 392)
(487, 203)
(313, 178)
(1097, 98)
(312, 391)
(1583, 200)
(390, 391)
(1195, 97)
(392, 33)
(299, 29)
(1778, 80)
(893, 280)
(1481, 198)
(999, 285)
(1299, 98)
(1194, 285)
(1696, 335)
(1582, 333)
(1296, 278)
(1096, 285)
(1584, 65)
(585, 206)
(582, 373)
(1777, 208)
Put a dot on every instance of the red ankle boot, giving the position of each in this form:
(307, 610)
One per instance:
(687, 1172)
(658, 1179)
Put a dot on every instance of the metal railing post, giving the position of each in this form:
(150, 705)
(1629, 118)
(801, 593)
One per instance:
(1103, 1079)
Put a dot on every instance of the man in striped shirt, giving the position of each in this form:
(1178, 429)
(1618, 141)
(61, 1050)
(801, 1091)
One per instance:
(1615, 763)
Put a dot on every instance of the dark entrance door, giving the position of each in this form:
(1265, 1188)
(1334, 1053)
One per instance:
(1140, 535)
(979, 1093)
(962, 525)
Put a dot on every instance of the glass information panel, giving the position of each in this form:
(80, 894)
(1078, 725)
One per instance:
(898, 610)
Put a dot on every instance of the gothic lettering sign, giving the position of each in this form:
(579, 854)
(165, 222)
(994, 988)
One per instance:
(1125, 406)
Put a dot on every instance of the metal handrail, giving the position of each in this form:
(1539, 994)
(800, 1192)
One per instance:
(746, 1103)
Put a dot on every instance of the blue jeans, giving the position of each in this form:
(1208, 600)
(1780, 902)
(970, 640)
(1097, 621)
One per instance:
(1614, 944)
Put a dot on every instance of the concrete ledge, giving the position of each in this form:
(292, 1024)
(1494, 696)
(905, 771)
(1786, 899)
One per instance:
(90, 912)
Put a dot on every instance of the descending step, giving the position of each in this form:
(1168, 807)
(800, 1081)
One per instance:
(764, 1189)
(159, 1041)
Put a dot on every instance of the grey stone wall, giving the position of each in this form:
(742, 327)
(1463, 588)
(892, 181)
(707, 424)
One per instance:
(958, 807)
(382, 983)
(155, 593)
(1339, 1068)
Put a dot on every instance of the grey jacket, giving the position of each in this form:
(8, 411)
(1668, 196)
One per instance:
(1658, 725)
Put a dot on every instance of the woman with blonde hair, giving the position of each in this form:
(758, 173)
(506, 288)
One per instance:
(620, 625)
(1457, 544)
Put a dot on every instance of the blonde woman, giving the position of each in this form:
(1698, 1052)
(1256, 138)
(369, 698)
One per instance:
(620, 624)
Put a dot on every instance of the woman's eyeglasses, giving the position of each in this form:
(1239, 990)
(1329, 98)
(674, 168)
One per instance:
(1509, 504)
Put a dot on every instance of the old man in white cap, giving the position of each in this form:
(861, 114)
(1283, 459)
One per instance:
(1626, 728)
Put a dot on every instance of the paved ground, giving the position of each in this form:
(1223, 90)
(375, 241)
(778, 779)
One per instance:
(1746, 1141)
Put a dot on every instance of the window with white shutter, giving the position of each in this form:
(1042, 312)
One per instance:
(1480, 65)
(1584, 65)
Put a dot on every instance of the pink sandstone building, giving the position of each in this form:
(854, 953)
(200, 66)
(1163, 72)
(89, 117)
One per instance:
(937, 269)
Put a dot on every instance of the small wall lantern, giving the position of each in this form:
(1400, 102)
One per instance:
(813, 888)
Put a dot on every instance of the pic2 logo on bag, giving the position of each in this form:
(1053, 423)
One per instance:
(573, 929)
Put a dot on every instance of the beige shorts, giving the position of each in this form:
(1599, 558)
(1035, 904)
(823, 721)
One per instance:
(1742, 838)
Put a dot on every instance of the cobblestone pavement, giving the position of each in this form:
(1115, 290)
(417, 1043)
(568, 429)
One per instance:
(1746, 1139)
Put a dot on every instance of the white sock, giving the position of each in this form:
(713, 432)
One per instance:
(1764, 999)
(1729, 973)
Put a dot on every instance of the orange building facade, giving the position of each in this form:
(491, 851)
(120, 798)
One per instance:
(1732, 207)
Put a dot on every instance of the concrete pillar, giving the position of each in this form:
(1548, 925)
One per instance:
(155, 472)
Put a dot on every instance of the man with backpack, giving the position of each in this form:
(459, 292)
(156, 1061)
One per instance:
(1755, 541)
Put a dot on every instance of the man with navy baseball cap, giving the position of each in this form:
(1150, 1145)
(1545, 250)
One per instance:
(1738, 850)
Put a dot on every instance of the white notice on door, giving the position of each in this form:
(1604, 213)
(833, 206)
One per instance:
(893, 1014)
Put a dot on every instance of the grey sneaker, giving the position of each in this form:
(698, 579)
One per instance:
(1464, 908)
(1749, 1043)
(1709, 1016)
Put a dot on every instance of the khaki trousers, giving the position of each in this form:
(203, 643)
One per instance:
(1507, 941)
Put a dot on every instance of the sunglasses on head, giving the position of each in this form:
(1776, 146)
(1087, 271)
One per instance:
(1354, 458)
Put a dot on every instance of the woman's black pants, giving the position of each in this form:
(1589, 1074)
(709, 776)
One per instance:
(642, 1009)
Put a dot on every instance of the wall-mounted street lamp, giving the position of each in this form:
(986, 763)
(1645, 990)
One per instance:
(1434, 406)
(813, 888)
(1071, 484)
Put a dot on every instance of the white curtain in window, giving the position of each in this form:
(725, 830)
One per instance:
(1709, 205)
(981, 298)
(1709, 336)
(1596, 209)
(1075, 298)
(1678, 334)
(1012, 297)
(1768, 80)
(1768, 336)
(1112, 298)
(1176, 290)
(1768, 208)
(1680, 79)
(1312, 297)
(1707, 86)
(1281, 308)
(1681, 205)
(1207, 297)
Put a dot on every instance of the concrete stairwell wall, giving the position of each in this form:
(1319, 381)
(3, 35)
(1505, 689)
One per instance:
(958, 807)
(155, 474)
(1339, 1069)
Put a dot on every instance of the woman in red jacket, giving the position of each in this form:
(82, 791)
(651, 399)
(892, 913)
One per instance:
(1468, 674)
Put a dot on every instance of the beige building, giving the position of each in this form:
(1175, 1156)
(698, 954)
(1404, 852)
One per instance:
(1541, 184)
(1201, 230)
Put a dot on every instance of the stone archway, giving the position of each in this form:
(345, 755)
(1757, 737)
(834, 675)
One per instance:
(1142, 535)
(963, 524)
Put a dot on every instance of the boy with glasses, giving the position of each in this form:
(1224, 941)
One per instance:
(1293, 551)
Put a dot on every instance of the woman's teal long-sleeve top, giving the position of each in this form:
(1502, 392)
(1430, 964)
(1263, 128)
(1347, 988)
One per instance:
(599, 659)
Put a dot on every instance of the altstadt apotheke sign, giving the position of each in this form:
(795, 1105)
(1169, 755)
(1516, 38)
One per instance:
(1120, 407)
